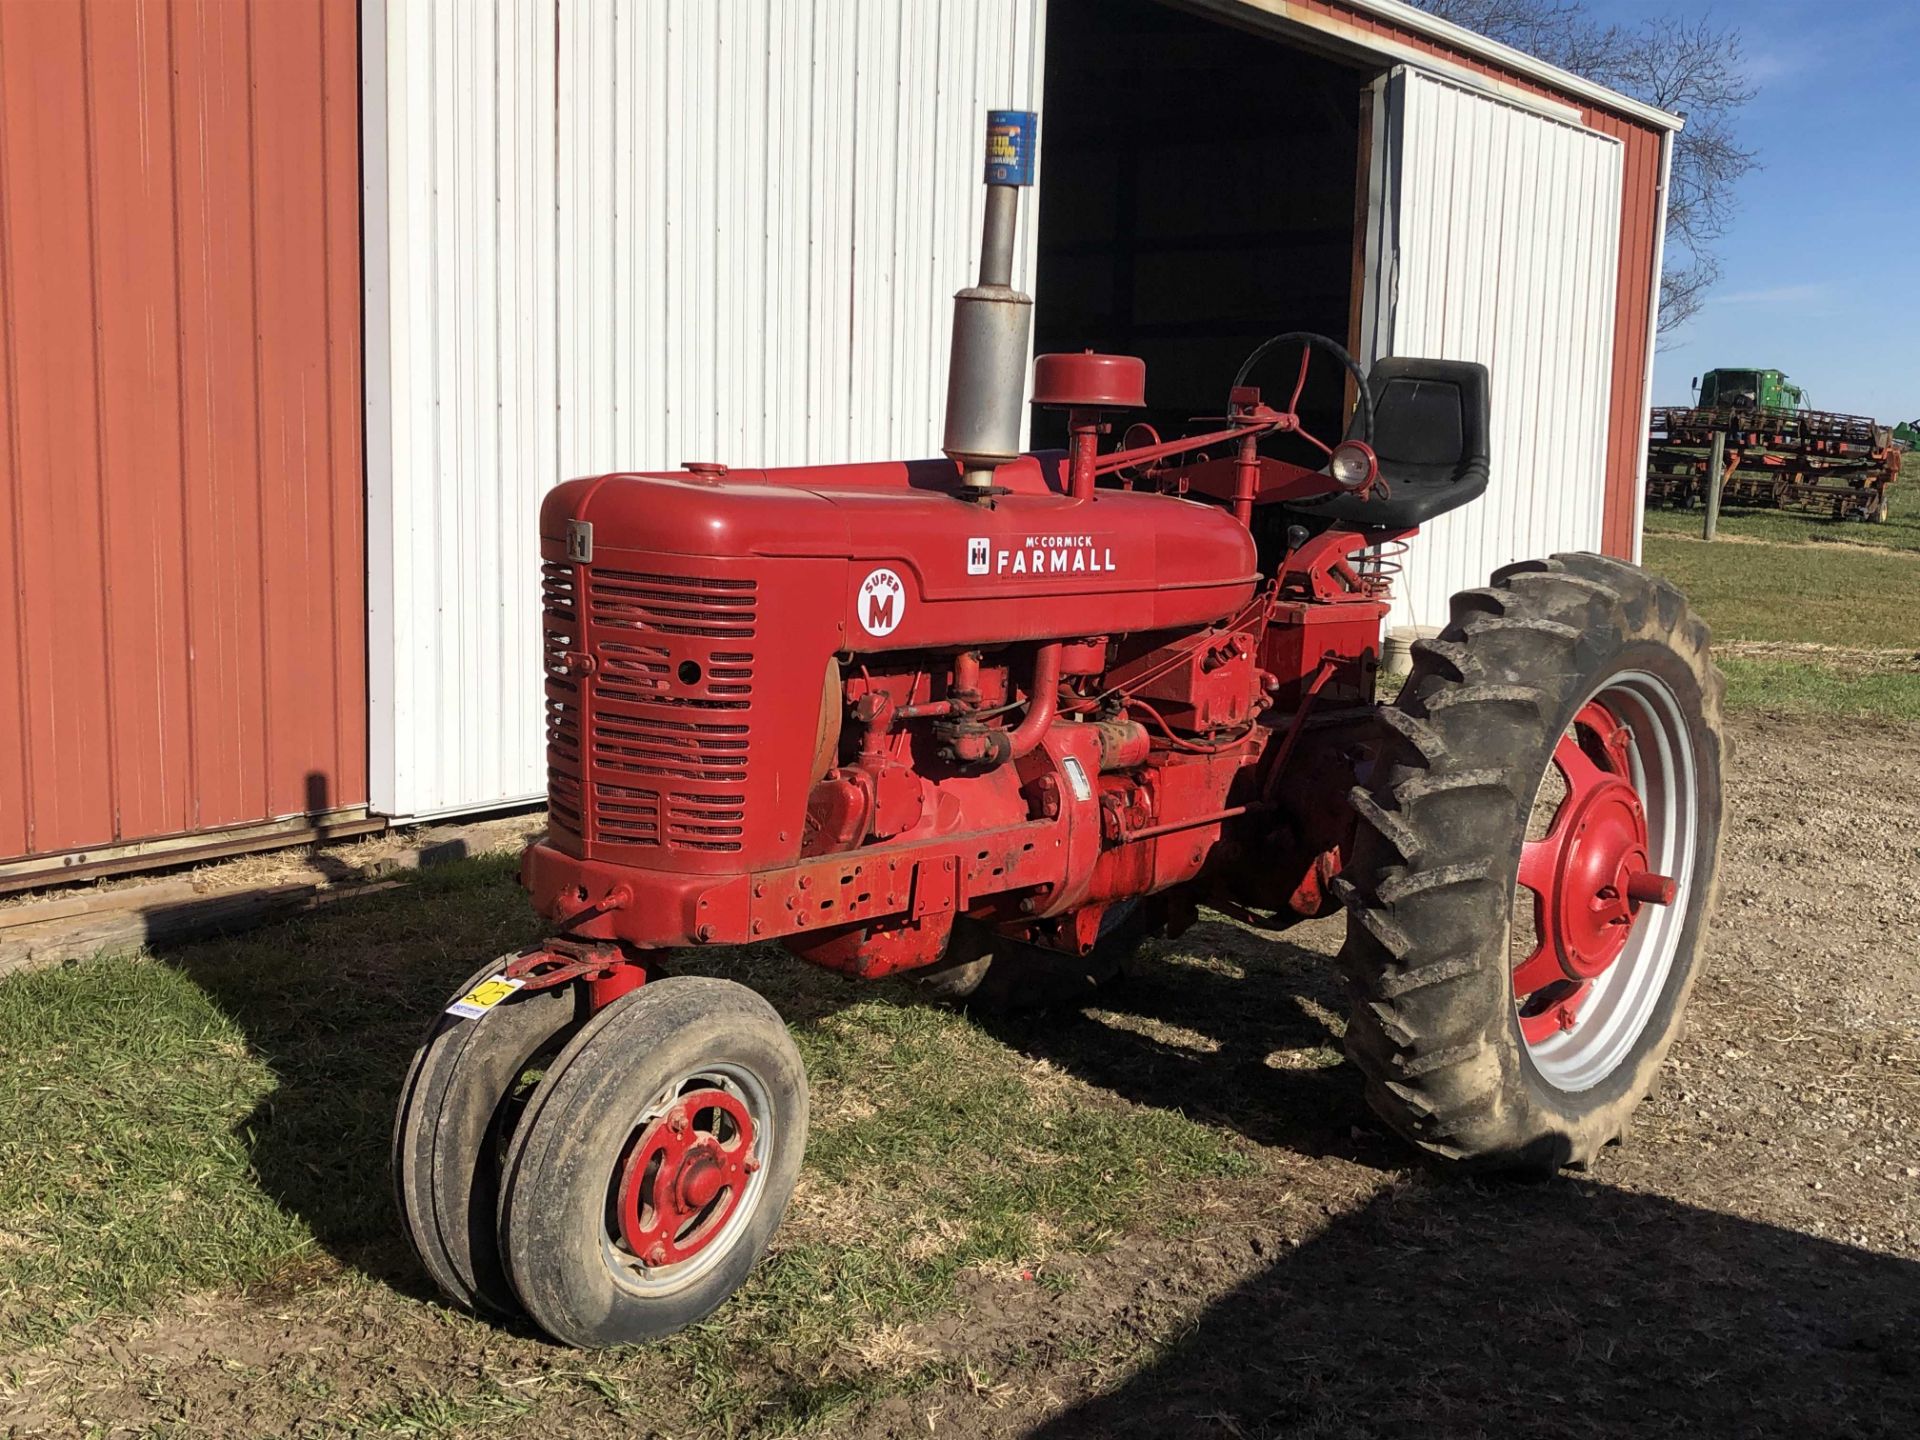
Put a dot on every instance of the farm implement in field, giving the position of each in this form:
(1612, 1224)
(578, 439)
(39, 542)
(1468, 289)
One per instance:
(1819, 461)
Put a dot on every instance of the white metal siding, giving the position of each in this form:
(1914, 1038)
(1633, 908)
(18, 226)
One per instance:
(623, 234)
(458, 100)
(764, 210)
(1498, 241)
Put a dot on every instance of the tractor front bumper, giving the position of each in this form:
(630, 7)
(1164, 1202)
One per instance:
(660, 909)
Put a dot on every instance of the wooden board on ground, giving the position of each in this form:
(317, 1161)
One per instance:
(73, 926)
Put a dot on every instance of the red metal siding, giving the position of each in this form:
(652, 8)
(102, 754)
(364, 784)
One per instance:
(1626, 430)
(181, 635)
(1641, 185)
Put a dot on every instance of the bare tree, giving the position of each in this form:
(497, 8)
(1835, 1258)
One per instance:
(1693, 68)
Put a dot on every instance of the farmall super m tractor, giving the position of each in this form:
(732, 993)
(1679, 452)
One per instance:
(993, 720)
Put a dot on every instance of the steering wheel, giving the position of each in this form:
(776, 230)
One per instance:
(1309, 341)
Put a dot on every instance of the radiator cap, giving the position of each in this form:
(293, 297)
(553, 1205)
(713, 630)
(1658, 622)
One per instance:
(1090, 382)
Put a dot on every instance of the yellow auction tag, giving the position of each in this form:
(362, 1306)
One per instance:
(484, 996)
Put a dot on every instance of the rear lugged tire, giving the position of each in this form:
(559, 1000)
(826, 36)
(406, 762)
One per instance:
(676, 1118)
(1454, 1059)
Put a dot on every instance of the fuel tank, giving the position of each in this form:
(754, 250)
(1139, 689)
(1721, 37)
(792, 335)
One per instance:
(892, 559)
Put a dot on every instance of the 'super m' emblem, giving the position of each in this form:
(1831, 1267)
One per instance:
(881, 603)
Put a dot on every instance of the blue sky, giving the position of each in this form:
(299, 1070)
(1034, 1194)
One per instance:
(1822, 266)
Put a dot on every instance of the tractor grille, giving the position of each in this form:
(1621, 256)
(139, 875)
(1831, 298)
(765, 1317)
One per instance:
(674, 604)
(560, 633)
(665, 743)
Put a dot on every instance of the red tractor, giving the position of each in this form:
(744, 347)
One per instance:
(991, 721)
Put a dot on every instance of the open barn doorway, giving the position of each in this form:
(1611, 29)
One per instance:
(1198, 194)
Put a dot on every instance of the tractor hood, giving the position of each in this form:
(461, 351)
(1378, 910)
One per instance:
(910, 562)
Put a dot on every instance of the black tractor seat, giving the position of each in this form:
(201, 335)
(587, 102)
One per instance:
(1430, 434)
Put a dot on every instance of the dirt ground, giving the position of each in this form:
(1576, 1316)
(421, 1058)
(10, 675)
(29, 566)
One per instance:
(1747, 1264)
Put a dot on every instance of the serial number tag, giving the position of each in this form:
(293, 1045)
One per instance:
(484, 996)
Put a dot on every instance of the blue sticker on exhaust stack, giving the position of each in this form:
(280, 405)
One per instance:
(1010, 140)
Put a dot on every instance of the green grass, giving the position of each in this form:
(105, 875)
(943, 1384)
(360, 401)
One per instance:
(126, 1094)
(1853, 609)
(1901, 531)
(1800, 688)
(1807, 594)
(218, 1119)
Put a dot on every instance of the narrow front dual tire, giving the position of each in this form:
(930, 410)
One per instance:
(654, 1163)
(460, 1103)
(614, 1177)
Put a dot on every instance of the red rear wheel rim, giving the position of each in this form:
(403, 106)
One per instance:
(1589, 875)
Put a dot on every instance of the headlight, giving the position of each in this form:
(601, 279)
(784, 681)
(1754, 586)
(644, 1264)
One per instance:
(1352, 464)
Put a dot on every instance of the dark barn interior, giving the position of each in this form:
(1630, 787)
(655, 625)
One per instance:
(1197, 196)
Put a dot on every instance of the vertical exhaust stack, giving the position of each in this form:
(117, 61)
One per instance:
(992, 322)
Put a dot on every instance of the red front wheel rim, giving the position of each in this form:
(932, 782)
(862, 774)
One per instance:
(688, 1180)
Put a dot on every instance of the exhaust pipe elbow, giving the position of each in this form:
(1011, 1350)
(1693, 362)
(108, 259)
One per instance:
(1043, 702)
(974, 744)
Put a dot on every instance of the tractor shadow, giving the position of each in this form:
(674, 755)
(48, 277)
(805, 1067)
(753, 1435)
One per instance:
(1224, 1025)
(1229, 1027)
(335, 1000)
(1562, 1307)
(1556, 1308)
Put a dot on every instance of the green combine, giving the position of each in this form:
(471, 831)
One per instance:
(1749, 390)
(1777, 452)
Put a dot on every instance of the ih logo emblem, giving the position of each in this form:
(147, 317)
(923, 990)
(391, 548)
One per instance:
(580, 541)
(979, 555)
(881, 603)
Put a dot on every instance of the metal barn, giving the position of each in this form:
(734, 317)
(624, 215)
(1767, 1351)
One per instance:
(306, 303)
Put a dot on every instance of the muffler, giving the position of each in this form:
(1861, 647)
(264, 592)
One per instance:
(993, 322)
